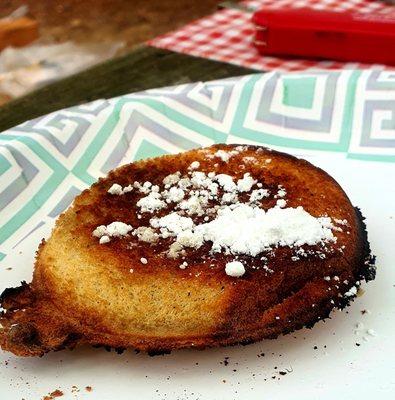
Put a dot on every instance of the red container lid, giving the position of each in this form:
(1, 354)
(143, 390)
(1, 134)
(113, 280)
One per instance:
(329, 21)
(319, 34)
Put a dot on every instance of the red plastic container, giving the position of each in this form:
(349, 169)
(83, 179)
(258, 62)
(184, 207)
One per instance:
(344, 36)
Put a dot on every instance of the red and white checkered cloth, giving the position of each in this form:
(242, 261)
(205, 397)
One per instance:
(227, 35)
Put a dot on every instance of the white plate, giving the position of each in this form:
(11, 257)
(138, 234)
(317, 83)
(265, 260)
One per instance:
(322, 363)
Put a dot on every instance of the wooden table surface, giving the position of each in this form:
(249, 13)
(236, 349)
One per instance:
(144, 68)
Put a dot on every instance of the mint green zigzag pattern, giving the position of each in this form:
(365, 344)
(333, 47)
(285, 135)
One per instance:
(303, 107)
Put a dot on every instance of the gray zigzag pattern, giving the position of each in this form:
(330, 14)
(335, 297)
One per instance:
(183, 97)
(374, 84)
(39, 225)
(64, 202)
(20, 183)
(64, 148)
(136, 120)
(31, 124)
(370, 107)
(102, 104)
(322, 125)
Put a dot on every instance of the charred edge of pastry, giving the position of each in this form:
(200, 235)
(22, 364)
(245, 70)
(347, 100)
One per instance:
(14, 332)
(368, 270)
(21, 331)
(16, 297)
(367, 262)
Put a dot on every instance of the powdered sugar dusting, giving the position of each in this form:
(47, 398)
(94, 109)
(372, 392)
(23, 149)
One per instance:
(225, 155)
(249, 230)
(225, 214)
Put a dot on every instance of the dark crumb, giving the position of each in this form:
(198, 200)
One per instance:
(282, 373)
(53, 395)
(226, 361)
(74, 389)
(120, 350)
(261, 355)
(235, 370)
(364, 312)
(88, 388)
(8, 269)
(275, 367)
(273, 377)
(223, 380)
(315, 347)
(357, 344)
(197, 363)
(161, 352)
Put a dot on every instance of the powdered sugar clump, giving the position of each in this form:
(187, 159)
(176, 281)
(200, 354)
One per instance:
(172, 223)
(250, 230)
(104, 239)
(174, 194)
(146, 234)
(118, 190)
(226, 182)
(245, 184)
(172, 179)
(281, 203)
(258, 194)
(115, 229)
(195, 165)
(115, 189)
(235, 269)
(151, 202)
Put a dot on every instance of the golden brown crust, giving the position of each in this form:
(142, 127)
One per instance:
(83, 292)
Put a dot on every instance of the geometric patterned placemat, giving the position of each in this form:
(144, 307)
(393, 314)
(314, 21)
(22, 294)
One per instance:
(45, 162)
(228, 34)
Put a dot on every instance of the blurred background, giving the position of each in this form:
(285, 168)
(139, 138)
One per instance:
(61, 37)
(58, 53)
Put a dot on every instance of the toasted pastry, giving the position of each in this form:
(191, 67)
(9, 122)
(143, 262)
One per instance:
(215, 246)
